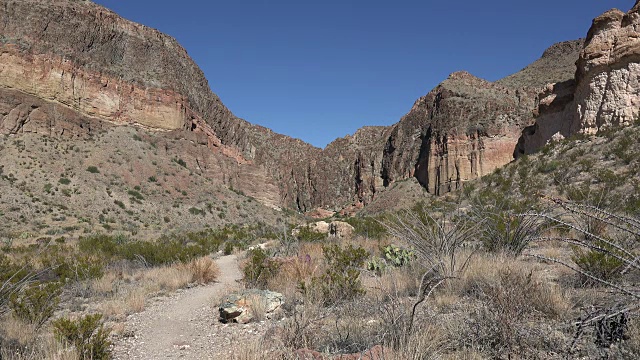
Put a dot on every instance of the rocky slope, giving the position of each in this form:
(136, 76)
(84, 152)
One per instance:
(605, 91)
(76, 67)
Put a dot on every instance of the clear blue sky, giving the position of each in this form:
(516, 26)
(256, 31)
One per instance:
(318, 70)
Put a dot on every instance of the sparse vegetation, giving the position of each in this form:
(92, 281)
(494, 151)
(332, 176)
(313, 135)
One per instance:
(87, 334)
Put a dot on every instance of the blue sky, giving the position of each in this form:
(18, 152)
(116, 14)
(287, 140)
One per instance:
(318, 70)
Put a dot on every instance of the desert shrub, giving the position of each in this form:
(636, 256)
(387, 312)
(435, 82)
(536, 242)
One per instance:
(367, 226)
(196, 211)
(135, 194)
(228, 248)
(67, 265)
(437, 235)
(64, 181)
(166, 250)
(36, 303)
(502, 225)
(605, 247)
(13, 278)
(93, 170)
(546, 167)
(609, 179)
(87, 334)
(508, 232)
(259, 269)
(180, 162)
(598, 262)
(341, 278)
(511, 298)
(307, 234)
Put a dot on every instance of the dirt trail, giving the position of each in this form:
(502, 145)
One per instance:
(181, 326)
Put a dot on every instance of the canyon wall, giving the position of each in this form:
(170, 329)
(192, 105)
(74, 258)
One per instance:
(605, 91)
(75, 67)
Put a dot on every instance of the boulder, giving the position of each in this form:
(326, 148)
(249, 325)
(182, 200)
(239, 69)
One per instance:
(250, 304)
(335, 229)
(340, 229)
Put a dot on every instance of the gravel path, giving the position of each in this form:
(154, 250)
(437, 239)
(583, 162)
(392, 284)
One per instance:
(183, 325)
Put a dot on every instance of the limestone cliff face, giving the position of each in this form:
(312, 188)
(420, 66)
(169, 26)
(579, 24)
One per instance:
(605, 92)
(463, 129)
(75, 67)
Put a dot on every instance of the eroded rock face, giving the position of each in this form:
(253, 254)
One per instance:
(605, 92)
(463, 129)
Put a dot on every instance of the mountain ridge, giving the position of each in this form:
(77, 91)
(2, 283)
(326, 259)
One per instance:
(108, 58)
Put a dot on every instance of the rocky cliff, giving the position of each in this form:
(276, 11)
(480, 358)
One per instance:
(605, 91)
(75, 67)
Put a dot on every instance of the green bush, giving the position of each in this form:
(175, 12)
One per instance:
(166, 250)
(228, 248)
(135, 194)
(87, 334)
(36, 303)
(196, 211)
(93, 170)
(180, 162)
(367, 226)
(341, 279)
(598, 263)
(503, 228)
(13, 278)
(307, 234)
(259, 269)
(65, 181)
(67, 265)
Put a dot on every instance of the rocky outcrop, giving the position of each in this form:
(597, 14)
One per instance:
(463, 129)
(20, 113)
(605, 92)
(249, 305)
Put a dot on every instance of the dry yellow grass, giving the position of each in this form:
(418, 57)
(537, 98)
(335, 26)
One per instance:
(37, 344)
(113, 309)
(496, 275)
(258, 307)
(118, 328)
(104, 285)
(136, 300)
(393, 283)
(313, 249)
(203, 270)
(166, 278)
(18, 330)
(291, 272)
